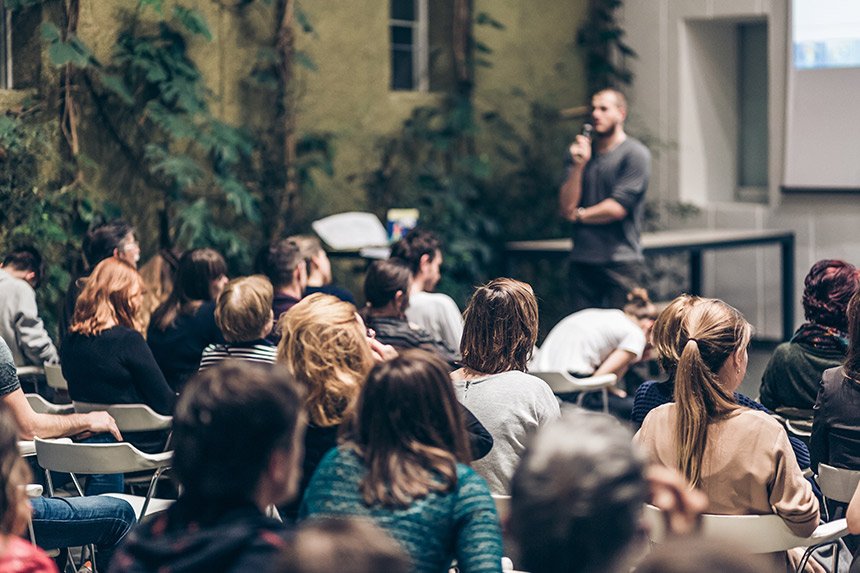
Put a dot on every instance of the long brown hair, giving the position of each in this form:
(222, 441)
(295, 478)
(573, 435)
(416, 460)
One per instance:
(852, 358)
(325, 348)
(409, 429)
(668, 330)
(711, 333)
(109, 296)
(14, 474)
(501, 327)
(194, 275)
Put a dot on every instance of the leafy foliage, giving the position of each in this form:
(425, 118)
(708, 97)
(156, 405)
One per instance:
(606, 52)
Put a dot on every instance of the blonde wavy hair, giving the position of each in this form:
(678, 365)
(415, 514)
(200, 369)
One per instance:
(112, 293)
(325, 348)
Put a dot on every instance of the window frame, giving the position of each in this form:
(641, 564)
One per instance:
(420, 47)
(6, 47)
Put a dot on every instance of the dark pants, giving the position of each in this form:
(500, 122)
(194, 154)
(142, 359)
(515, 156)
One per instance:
(603, 285)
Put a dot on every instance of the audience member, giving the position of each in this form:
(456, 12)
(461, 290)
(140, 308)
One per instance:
(72, 521)
(666, 336)
(740, 458)
(243, 313)
(792, 376)
(386, 288)
(342, 544)
(284, 266)
(691, 555)
(15, 553)
(237, 442)
(112, 239)
(404, 465)
(498, 340)
(318, 268)
(20, 325)
(435, 312)
(159, 276)
(598, 341)
(185, 323)
(577, 495)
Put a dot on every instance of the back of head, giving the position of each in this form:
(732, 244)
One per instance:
(244, 309)
(409, 429)
(577, 495)
(714, 332)
(280, 261)
(384, 279)
(113, 293)
(501, 327)
(26, 259)
(228, 421)
(309, 246)
(852, 358)
(639, 304)
(691, 555)
(668, 330)
(417, 243)
(195, 273)
(14, 475)
(346, 545)
(827, 288)
(326, 349)
(101, 241)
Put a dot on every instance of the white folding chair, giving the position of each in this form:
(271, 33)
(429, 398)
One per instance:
(29, 371)
(54, 377)
(42, 406)
(752, 533)
(63, 455)
(561, 382)
(837, 484)
(129, 417)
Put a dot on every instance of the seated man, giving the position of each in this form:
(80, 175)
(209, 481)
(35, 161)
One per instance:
(71, 521)
(319, 269)
(238, 432)
(283, 264)
(20, 325)
(435, 312)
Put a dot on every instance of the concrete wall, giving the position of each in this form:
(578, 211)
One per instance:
(685, 95)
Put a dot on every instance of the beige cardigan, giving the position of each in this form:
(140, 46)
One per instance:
(748, 467)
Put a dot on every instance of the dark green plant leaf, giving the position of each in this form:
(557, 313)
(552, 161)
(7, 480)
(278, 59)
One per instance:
(193, 21)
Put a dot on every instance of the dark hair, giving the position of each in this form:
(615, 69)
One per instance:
(14, 474)
(228, 421)
(101, 241)
(194, 275)
(343, 544)
(500, 328)
(279, 262)
(577, 495)
(417, 243)
(26, 258)
(691, 555)
(827, 289)
(620, 98)
(408, 428)
(384, 279)
(639, 304)
(852, 357)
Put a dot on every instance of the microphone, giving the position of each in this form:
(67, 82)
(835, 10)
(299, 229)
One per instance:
(587, 130)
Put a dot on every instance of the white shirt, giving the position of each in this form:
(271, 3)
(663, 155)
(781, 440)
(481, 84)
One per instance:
(582, 341)
(438, 314)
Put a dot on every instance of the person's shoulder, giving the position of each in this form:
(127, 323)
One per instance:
(758, 419)
(13, 286)
(660, 414)
(636, 146)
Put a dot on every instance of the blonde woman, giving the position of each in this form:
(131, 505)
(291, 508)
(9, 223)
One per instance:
(740, 458)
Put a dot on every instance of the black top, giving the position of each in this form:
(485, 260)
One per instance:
(281, 303)
(836, 428)
(115, 367)
(400, 334)
(333, 290)
(179, 348)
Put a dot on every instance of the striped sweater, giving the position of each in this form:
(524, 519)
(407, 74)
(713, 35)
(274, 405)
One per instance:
(434, 530)
(259, 351)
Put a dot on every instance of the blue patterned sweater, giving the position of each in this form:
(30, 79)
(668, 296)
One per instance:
(461, 524)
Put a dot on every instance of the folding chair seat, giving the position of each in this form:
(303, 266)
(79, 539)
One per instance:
(561, 382)
(54, 377)
(753, 533)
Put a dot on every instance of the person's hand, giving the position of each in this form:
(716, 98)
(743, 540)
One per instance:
(681, 505)
(381, 352)
(812, 566)
(100, 422)
(617, 391)
(580, 150)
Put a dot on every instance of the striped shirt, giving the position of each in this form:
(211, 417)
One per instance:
(259, 351)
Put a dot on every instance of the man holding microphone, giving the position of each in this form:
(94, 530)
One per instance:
(603, 196)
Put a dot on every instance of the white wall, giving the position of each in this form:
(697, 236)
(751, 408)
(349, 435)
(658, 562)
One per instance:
(684, 96)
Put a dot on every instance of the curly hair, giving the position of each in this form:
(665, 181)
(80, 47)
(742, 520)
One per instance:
(325, 348)
(827, 289)
(113, 293)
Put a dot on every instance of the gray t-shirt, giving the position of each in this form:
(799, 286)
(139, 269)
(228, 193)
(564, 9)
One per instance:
(8, 375)
(621, 174)
(511, 406)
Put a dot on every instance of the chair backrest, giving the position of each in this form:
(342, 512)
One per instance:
(29, 370)
(564, 383)
(62, 455)
(54, 377)
(129, 417)
(42, 406)
(750, 533)
(837, 484)
(503, 506)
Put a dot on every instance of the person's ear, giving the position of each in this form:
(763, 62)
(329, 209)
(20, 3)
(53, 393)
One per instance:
(30, 277)
(424, 262)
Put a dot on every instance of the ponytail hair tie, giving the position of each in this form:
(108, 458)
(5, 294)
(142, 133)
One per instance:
(696, 340)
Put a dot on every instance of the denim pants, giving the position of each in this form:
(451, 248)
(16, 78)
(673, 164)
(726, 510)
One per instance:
(75, 521)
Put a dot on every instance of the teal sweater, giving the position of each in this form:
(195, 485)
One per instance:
(434, 530)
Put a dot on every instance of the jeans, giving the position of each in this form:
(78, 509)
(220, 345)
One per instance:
(103, 483)
(75, 521)
(603, 285)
